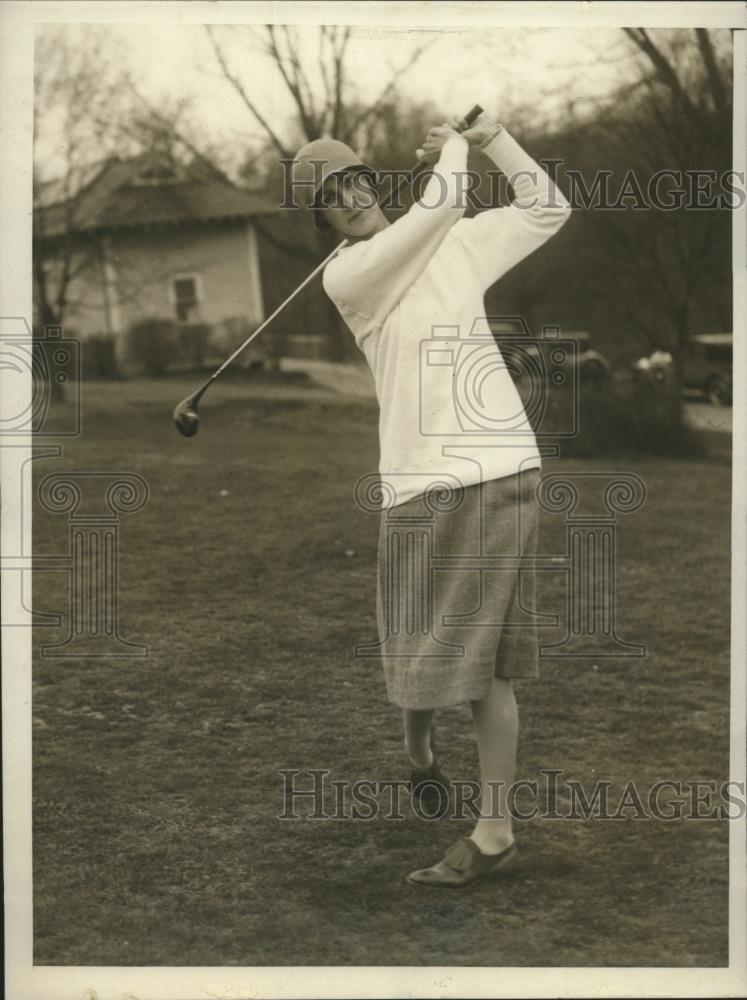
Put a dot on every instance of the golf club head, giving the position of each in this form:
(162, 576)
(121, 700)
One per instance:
(186, 418)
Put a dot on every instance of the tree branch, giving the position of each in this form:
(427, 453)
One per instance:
(301, 80)
(324, 42)
(170, 130)
(339, 46)
(374, 108)
(294, 90)
(665, 70)
(241, 91)
(718, 91)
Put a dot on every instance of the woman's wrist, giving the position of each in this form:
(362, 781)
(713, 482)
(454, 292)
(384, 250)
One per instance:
(456, 138)
(454, 146)
(493, 133)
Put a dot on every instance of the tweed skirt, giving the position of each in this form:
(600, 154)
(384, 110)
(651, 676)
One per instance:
(456, 591)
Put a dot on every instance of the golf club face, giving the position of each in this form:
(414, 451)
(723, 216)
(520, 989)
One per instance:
(186, 417)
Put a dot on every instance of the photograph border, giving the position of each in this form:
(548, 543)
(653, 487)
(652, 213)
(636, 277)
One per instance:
(24, 981)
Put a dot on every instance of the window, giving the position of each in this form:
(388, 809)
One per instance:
(185, 294)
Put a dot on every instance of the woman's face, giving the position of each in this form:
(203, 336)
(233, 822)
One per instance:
(352, 208)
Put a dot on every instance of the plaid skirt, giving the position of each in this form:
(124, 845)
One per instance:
(456, 591)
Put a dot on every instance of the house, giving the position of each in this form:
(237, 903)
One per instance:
(148, 238)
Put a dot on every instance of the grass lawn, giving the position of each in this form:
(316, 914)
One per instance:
(250, 574)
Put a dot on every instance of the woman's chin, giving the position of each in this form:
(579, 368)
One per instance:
(361, 226)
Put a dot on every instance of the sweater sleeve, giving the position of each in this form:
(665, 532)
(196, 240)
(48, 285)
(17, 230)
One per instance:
(369, 278)
(500, 238)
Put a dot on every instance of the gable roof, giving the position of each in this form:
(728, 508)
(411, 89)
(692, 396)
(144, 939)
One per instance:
(120, 196)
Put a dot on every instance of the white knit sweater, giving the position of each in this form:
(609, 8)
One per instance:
(412, 295)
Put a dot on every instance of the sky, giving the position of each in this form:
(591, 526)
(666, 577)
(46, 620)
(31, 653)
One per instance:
(460, 65)
(538, 69)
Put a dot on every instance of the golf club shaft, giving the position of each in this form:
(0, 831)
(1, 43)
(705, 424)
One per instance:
(469, 118)
(270, 318)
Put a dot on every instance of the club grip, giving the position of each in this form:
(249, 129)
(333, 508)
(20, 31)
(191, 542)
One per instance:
(473, 114)
(420, 167)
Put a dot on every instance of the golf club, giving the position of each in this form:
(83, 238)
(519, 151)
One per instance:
(186, 417)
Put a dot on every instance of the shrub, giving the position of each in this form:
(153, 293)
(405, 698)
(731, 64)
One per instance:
(233, 331)
(626, 416)
(194, 339)
(99, 357)
(151, 344)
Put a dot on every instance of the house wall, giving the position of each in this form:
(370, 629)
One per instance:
(85, 312)
(311, 312)
(130, 279)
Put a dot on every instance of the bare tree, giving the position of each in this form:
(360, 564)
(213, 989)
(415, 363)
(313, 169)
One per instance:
(104, 109)
(675, 115)
(316, 75)
(77, 85)
(699, 88)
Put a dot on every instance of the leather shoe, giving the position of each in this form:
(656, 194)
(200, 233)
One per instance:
(463, 864)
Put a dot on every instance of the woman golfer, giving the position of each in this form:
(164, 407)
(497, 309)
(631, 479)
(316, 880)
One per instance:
(459, 460)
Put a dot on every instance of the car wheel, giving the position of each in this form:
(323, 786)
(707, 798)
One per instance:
(593, 371)
(718, 391)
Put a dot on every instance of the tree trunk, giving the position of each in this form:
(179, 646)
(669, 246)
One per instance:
(45, 317)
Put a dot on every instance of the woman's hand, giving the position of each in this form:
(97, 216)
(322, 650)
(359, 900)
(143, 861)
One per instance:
(434, 142)
(481, 131)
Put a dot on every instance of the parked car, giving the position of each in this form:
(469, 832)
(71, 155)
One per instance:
(592, 365)
(707, 366)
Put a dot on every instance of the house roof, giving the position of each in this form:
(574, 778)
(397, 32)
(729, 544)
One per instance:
(141, 193)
